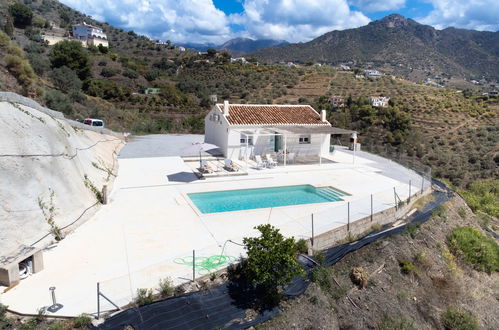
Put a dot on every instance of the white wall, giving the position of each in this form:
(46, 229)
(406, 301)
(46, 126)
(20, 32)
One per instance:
(215, 131)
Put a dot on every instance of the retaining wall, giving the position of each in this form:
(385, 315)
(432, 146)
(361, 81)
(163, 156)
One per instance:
(358, 227)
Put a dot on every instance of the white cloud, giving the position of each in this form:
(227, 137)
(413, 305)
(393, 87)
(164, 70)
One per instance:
(178, 20)
(467, 14)
(377, 5)
(296, 20)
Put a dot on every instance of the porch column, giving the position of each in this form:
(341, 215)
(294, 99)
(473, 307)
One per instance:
(285, 150)
(246, 153)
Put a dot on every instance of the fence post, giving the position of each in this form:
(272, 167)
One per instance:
(98, 300)
(193, 265)
(104, 194)
(409, 190)
(395, 198)
(312, 231)
(422, 184)
(348, 223)
(371, 207)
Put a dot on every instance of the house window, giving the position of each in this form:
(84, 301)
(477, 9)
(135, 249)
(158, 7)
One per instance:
(243, 138)
(304, 139)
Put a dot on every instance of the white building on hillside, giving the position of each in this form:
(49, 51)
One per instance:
(91, 35)
(379, 101)
(372, 73)
(243, 131)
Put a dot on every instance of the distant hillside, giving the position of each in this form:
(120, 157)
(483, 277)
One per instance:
(240, 46)
(402, 46)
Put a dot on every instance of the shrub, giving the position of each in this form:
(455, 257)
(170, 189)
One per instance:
(166, 288)
(411, 230)
(105, 89)
(73, 55)
(271, 258)
(39, 63)
(152, 74)
(457, 319)
(21, 13)
(144, 297)
(475, 248)
(66, 79)
(359, 277)
(399, 323)
(483, 196)
(20, 68)
(56, 100)
(83, 320)
(109, 72)
(407, 267)
(301, 246)
(129, 73)
(323, 276)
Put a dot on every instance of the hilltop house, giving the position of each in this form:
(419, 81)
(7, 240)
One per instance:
(150, 90)
(90, 35)
(372, 73)
(379, 101)
(242, 131)
(337, 101)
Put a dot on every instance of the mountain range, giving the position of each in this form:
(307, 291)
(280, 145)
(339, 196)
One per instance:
(400, 45)
(239, 46)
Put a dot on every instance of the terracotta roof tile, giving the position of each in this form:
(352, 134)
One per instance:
(253, 114)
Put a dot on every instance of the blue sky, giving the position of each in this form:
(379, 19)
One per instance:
(216, 21)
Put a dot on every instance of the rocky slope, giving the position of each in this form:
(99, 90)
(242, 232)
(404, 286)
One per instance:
(50, 174)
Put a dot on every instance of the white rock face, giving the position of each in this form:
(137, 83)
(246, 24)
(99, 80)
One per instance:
(40, 154)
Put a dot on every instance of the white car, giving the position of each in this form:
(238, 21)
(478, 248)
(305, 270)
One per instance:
(94, 122)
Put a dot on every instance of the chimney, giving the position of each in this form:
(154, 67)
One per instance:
(226, 108)
(323, 115)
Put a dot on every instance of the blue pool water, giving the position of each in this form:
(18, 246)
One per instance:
(259, 198)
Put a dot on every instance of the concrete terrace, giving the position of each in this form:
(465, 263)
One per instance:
(149, 228)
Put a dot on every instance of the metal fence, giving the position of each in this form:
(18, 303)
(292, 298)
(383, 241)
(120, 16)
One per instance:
(322, 228)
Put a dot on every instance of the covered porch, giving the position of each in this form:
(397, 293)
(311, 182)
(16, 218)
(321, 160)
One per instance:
(286, 145)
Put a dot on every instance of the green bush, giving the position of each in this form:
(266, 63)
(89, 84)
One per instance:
(20, 68)
(21, 13)
(144, 297)
(457, 319)
(166, 288)
(73, 55)
(474, 248)
(483, 196)
(129, 73)
(65, 79)
(105, 89)
(411, 230)
(39, 63)
(56, 100)
(301, 246)
(323, 276)
(398, 323)
(152, 74)
(271, 258)
(83, 320)
(407, 267)
(109, 72)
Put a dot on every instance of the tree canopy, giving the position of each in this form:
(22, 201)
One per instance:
(21, 13)
(271, 258)
(73, 55)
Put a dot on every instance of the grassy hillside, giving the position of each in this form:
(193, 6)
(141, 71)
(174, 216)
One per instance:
(430, 277)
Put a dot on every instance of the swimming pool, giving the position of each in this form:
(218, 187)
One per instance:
(259, 198)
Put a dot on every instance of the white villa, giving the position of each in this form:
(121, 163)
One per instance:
(242, 131)
(379, 101)
(89, 34)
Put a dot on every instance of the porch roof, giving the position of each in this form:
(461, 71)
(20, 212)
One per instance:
(289, 130)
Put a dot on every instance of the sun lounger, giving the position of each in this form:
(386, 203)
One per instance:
(205, 167)
(231, 166)
(270, 161)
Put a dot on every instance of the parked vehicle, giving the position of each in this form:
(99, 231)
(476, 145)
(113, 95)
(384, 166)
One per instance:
(94, 122)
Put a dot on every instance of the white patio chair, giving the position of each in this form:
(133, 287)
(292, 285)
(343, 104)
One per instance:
(205, 167)
(260, 164)
(270, 161)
